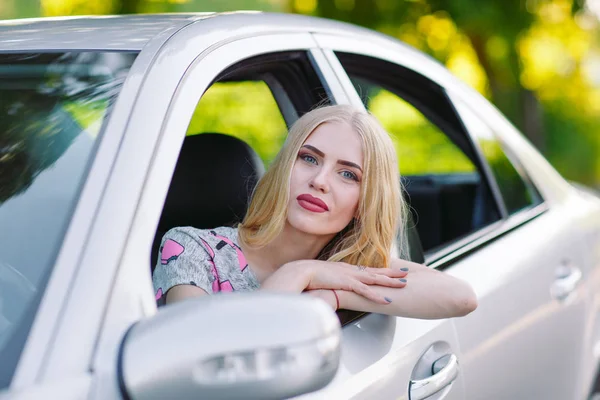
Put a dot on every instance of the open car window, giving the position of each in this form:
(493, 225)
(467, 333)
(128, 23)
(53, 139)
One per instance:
(245, 109)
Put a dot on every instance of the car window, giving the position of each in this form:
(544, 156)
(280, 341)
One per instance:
(448, 194)
(244, 109)
(421, 146)
(52, 107)
(517, 190)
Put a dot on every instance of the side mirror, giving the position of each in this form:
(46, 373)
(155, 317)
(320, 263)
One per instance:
(234, 346)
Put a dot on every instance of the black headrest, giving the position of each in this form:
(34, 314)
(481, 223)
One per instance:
(212, 182)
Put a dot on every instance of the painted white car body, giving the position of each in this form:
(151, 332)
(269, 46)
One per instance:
(521, 342)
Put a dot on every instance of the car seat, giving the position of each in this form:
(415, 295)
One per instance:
(211, 186)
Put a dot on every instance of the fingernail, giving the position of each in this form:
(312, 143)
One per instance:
(388, 299)
(402, 280)
(404, 269)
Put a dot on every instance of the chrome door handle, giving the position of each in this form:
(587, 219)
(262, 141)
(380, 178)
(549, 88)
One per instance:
(567, 279)
(442, 377)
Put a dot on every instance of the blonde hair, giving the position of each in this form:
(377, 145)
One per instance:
(371, 237)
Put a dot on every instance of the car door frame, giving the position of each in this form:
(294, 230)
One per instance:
(125, 308)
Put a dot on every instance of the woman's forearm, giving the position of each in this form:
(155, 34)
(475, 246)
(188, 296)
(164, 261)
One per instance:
(290, 278)
(429, 294)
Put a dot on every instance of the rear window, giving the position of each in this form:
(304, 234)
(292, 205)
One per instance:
(52, 110)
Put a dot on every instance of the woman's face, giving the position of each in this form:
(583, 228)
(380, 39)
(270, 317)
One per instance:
(326, 180)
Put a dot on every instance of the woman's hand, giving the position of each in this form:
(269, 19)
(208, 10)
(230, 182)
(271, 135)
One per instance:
(351, 278)
(299, 276)
(431, 294)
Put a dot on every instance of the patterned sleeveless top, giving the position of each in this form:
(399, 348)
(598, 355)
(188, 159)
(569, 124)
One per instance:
(207, 258)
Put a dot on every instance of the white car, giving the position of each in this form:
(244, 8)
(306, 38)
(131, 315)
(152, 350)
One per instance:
(99, 156)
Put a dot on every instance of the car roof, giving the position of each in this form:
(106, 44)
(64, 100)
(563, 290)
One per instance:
(126, 32)
(133, 32)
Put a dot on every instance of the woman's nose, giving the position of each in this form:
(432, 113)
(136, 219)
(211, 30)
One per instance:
(320, 182)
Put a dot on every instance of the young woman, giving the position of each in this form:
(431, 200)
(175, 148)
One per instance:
(323, 221)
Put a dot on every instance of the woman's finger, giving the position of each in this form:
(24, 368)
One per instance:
(391, 272)
(368, 293)
(381, 280)
(366, 277)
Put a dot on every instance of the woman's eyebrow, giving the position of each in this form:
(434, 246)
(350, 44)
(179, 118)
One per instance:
(350, 164)
(343, 162)
(313, 148)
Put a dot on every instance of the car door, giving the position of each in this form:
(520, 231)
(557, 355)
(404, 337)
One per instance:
(483, 223)
(529, 340)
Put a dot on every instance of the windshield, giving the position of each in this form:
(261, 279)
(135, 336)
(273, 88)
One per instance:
(52, 109)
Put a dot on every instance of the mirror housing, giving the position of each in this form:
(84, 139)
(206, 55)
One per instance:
(234, 346)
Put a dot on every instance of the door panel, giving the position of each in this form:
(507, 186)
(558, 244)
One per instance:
(587, 204)
(531, 320)
(380, 354)
(521, 343)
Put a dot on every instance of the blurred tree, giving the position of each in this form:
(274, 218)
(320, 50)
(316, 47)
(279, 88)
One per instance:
(128, 7)
(493, 29)
(81, 7)
(19, 8)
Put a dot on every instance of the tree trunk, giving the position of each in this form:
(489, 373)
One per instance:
(519, 105)
(532, 120)
(128, 7)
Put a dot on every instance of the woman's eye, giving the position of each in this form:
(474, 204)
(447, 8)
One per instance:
(308, 158)
(350, 175)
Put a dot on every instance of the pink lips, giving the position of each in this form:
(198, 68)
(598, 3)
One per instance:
(311, 203)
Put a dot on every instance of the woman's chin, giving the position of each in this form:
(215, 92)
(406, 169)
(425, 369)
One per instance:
(309, 229)
(311, 226)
